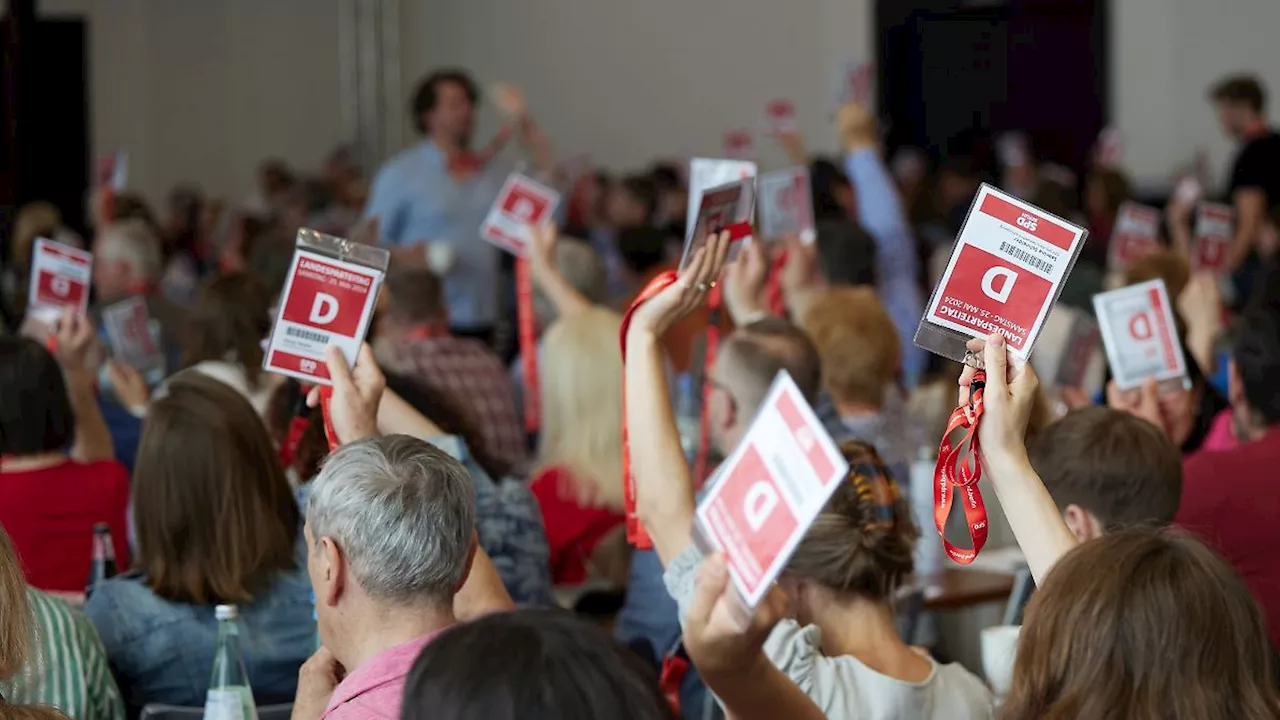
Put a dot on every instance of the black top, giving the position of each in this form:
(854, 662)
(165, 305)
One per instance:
(1258, 166)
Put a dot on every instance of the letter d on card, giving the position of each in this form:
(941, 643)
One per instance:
(768, 492)
(1139, 335)
(1004, 275)
(328, 299)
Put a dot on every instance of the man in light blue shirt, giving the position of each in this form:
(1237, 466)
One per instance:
(435, 195)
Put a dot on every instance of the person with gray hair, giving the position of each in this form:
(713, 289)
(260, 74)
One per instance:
(391, 551)
(127, 262)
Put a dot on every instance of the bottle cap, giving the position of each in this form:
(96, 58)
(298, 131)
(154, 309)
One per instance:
(99, 528)
(226, 612)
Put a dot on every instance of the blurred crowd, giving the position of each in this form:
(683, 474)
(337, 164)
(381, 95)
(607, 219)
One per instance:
(415, 569)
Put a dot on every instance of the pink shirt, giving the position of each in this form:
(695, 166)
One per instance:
(375, 690)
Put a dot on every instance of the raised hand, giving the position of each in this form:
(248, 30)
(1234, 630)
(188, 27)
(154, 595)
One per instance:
(721, 635)
(744, 281)
(353, 406)
(687, 293)
(1140, 402)
(542, 248)
(129, 387)
(76, 336)
(855, 127)
(1008, 399)
(509, 99)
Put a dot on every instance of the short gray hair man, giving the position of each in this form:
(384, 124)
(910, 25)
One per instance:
(390, 540)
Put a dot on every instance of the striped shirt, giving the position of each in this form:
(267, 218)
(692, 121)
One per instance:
(71, 672)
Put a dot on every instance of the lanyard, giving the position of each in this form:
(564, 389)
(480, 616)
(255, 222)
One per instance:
(773, 289)
(331, 435)
(636, 534)
(954, 472)
(298, 424)
(525, 322)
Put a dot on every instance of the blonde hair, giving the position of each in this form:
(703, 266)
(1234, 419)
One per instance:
(17, 633)
(1164, 264)
(581, 373)
(857, 342)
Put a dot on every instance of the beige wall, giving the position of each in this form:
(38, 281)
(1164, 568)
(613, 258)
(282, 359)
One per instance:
(631, 81)
(204, 89)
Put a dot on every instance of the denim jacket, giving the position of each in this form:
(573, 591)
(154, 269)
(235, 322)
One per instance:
(162, 651)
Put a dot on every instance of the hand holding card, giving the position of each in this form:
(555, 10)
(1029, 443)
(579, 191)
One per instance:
(769, 491)
(352, 410)
(687, 293)
(328, 299)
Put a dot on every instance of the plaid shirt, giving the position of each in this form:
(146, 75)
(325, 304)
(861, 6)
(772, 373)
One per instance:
(474, 377)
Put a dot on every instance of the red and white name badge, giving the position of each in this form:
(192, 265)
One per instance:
(521, 205)
(60, 277)
(727, 207)
(1214, 232)
(1139, 334)
(326, 301)
(1136, 235)
(738, 144)
(779, 117)
(786, 204)
(769, 491)
(128, 327)
(1004, 275)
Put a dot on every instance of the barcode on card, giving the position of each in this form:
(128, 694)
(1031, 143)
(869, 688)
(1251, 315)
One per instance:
(307, 335)
(1018, 253)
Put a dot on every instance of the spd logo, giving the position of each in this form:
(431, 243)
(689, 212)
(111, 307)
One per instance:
(307, 366)
(1028, 221)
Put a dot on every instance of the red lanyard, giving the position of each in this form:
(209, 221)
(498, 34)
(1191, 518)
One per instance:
(297, 428)
(674, 669)
(331, 435)
(709, 360)
(635, 531)
(528, 346)
(773, 290)
(953, 472)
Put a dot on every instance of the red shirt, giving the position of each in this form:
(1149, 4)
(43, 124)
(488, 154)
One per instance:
(573, 531)
(50, 513)
(1231, 499)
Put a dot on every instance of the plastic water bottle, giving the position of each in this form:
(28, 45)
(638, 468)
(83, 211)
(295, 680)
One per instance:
(103, 564)
(229, 697)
